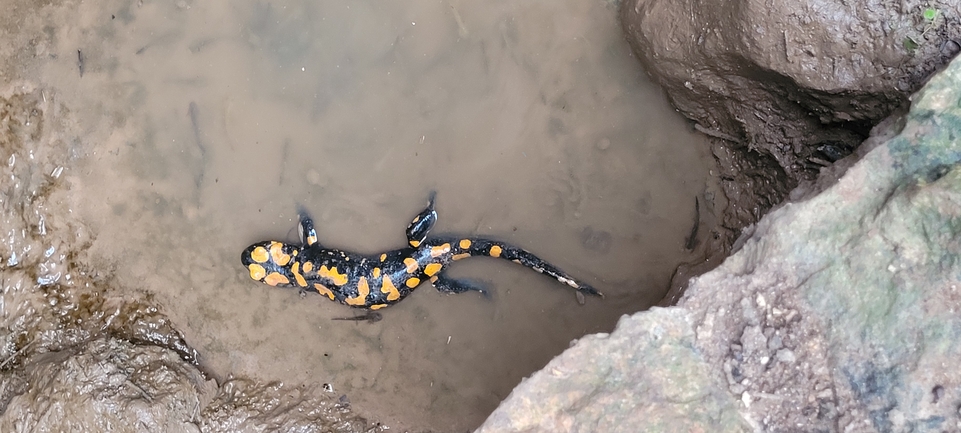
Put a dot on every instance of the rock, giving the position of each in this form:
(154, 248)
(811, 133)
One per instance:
(871, 265)
(645, 376)
(788, 86)
(108, 385)
(861, 285)
(113, 385)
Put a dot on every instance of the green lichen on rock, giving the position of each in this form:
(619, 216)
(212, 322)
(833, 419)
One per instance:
(871, 265)
(894, 301)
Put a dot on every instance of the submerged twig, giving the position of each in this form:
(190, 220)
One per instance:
(692, 238)
(17, 353)
(715, 134)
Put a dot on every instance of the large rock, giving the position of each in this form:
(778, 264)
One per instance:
(839, 313)
(789, 85)
(647, 373)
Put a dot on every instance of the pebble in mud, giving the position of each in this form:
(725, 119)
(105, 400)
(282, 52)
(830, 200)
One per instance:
(950, 48)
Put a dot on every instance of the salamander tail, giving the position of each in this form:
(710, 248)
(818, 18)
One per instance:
(486, 247)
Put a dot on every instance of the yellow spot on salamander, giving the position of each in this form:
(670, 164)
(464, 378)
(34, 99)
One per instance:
(495, 251)
(415, 244)
(465, 244)
(432, 269)
(461, 256)
(333, 274)
(411, 265)
(257, 272)
(277, 253)
(311, 240)
(383, 257)
(412, 282)
(308, 266)
(323, 290)
(363, 289)
(377, 306)
(390, 289)
(299, 278)
(275, 278)
(259, 255)
(376, 273)
(439, 250)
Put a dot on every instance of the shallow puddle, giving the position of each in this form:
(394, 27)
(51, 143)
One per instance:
(206, 125)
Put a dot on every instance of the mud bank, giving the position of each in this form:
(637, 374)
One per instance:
(786, 88)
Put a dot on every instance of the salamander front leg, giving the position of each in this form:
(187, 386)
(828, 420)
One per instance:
(307, 233)
(422, 223)
(459, 285)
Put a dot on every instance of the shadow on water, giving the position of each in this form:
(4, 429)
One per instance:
(204, 126)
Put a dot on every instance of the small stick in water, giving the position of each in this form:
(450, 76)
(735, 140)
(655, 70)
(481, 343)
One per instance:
(80, 62)
(370, 317)
(692, 239)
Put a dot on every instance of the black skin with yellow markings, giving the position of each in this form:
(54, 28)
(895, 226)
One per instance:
(381, 280)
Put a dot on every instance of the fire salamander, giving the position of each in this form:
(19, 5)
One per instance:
(375, 282)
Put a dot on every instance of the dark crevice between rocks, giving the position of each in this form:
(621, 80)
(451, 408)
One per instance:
(784, 92)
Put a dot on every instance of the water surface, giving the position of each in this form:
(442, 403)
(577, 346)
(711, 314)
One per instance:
(207, 124)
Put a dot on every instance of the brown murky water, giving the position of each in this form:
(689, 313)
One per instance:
(205, 125)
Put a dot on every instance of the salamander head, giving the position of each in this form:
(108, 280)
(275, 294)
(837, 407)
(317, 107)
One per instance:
(269, 262)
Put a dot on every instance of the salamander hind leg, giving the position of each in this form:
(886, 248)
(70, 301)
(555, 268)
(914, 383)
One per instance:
(422, 223)
(459, 285)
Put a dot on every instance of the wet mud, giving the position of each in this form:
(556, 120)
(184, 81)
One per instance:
(185, 139)
(77, 351)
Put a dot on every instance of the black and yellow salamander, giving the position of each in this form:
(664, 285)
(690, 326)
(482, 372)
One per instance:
(375, 282)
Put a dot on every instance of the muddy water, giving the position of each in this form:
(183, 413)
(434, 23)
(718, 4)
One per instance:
(205, 125)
